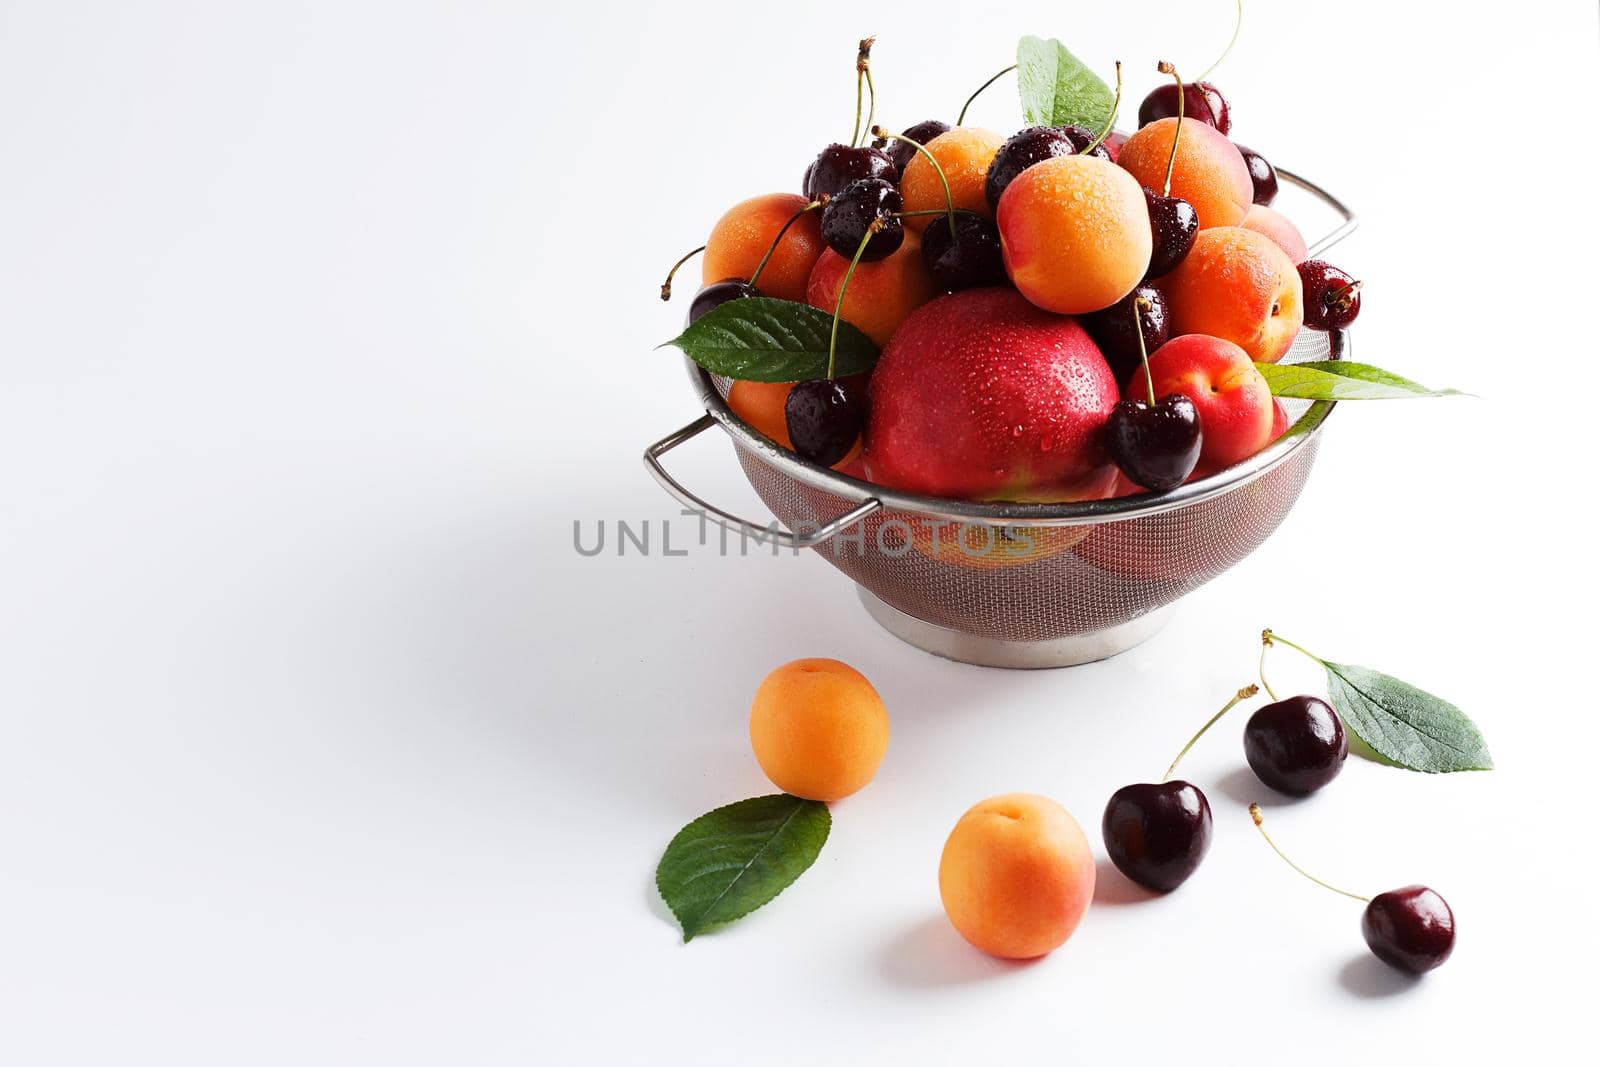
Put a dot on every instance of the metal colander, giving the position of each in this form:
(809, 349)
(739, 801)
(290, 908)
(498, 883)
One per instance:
(1022, 585)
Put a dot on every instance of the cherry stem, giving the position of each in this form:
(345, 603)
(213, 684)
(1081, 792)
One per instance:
(864, 69)
(838, 305)
(1270, 638)
(666, 286)
(949, 201)
(1238, 23)
(1142, 303)
(1255, 813)
(773, 247)
(1111, 119)
(1244, 694)
(920, 212)
(962, 117)
(1172, 156)
(1339, 299)
(1261, 668)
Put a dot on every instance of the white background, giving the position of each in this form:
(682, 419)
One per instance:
(321, 323)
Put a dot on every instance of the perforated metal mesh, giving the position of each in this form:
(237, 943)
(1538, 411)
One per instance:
(1044, 582)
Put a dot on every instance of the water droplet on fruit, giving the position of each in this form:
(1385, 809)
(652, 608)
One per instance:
(1016, 431)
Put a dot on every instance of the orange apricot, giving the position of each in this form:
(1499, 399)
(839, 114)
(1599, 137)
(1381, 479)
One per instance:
(1237, 284)
(818, 728)
(1075, 232)
(964, 153)
(761, 405)
(1209, 172)
(742, 236)
(881, 294)
(1284, 234)
(1016, 875)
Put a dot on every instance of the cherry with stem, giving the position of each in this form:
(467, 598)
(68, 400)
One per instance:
(1412, 929)
(1173, 220)
(1296, 745)
(823, 416)
(1157, 833)
(1205, 100)
(1156, 443)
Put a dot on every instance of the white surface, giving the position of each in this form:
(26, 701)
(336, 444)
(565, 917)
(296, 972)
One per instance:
(321, 323)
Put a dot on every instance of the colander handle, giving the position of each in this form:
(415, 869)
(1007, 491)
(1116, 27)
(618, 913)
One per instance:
(783, 538)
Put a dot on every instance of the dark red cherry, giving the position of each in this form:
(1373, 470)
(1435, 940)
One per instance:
(838, 165)
(1173, 225)
(1112, 329)
(1332, 298)
(1034, 145)
(1410, 929)
(824, 419)
(922, 133)
(1263, 177)
(969, 260)
(1156, 445)
(857, 207)
(1296, 746)
(1082, 137)
(1157, 834)
(718, 293)
(1201, 100)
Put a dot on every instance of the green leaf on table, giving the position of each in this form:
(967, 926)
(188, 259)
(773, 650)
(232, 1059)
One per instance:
(1340, 379)
(729, 862)
(1403, 724)
(1057, 89)
(762, 339)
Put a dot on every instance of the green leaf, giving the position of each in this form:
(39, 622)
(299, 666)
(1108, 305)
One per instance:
(1404, 724)
(1057, 89)
(762, 339)
(1340, 379)
(729, 862)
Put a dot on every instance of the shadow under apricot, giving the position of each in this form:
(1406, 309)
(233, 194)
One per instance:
(929, 953)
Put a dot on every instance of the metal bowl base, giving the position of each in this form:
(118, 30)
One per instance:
(993, 652)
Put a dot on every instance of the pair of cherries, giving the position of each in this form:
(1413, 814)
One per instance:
(1158, 833)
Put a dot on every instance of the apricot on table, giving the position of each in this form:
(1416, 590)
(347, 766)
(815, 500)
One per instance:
(1285, 234)
(742, 236)
(964, 153)
(1075, 232)
(1236, 406)
(1208, 172)
(880, 295)
(1016, 875)
(818, 728)
(1238, 284)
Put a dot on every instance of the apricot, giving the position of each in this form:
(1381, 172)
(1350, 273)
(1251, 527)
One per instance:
(1237, 284)
(818, 728)
(742, 236)
(1235, 405)
(1284, 234)
(761, 405)
(1209, 171)
(1016, 875)
(1075, 233)
(880, 295)
(964, 153)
